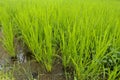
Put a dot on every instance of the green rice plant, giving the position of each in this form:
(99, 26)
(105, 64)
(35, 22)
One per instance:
(114, 74)
(7, 31)
(37, 34)
(94, 38)
(6, 76)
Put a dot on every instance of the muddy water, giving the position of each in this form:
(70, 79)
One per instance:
(26, 68)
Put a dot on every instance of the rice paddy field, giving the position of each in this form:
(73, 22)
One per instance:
(59, 40)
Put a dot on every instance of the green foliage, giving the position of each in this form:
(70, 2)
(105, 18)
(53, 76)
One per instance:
(7, 29)
(85, 33)
(6, 76)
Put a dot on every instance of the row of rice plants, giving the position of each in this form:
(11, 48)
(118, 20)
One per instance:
(85, 33)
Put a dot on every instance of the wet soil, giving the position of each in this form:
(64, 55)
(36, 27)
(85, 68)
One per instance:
(33, 69)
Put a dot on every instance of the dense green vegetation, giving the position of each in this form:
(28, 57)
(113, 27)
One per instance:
(84, 34)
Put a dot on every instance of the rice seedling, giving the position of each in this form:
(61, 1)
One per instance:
(6, 76)
(37, 34)
(7, 30)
